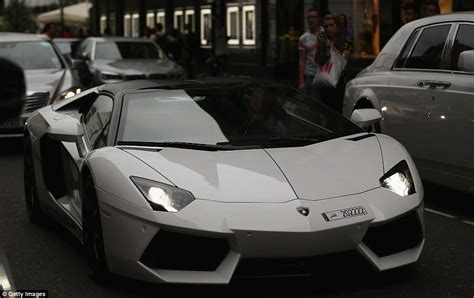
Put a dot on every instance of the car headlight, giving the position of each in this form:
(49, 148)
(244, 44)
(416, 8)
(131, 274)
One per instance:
(67, 93)
(399, 180)
(163, 197)
(110, 76)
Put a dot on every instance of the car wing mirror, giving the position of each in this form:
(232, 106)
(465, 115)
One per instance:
(69, 130)
(466, 61)
(366, 117)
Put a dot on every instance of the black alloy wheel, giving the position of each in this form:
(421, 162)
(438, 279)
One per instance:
(92, 234)
(33, 207)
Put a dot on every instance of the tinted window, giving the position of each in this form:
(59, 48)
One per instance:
(248, 113)
(404, 55)
(429, 48)
(126, 50)
(97, 118)
(464, 42)
(31, 54)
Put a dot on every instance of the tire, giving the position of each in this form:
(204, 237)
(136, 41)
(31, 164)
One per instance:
(92, 234)
(33, 207)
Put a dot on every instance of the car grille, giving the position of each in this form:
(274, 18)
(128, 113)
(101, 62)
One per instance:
(396, 236)
(261, 268)
(135, 77)
(161, 76)
(35, 101)
(176, 251)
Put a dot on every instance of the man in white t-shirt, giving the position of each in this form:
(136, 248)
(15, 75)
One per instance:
(307, 46)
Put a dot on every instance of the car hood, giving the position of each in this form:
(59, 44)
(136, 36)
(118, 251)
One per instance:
(136, 66)
(44, 80)
(315, 172)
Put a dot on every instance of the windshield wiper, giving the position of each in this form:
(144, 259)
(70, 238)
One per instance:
(181, 145)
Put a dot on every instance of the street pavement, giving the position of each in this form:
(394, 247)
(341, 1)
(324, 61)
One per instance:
(49, 258)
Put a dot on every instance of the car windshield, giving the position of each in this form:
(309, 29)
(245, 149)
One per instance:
(67, 47)
(238, 116)
(119, 50)
(31, 54)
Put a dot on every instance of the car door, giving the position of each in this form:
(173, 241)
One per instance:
(417, 70)
(451, 115)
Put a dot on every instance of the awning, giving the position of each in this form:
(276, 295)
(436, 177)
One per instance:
(73, 14)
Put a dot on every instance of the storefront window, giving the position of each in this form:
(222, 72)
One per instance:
(189, 15)
(127, 28)
(233, 25)
(135, 25)
(248, 24)
(150, 19)
(103, 23)
(160, 18)
(178, 19)
(363, 25)
(112, 23)
(206, 25)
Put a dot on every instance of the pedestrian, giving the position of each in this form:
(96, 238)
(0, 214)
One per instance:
(307, 45)
(338, 40)
(49, 30)
(432, 8)
(410, 13)
(191, 51)
(12, 89)
(221, 51)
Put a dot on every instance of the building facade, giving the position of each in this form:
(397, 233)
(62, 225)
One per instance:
(263, 34)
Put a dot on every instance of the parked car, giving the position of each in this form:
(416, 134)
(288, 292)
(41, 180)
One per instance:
(47, 75)
(186, 182)
(116, 59)
(422, 84)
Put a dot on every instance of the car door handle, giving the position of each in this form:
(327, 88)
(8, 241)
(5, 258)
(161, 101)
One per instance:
(434, 84)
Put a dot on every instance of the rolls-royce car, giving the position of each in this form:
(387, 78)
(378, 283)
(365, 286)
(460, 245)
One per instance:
(47, 75)
(189, 182)
(422, 84)
(116, 59)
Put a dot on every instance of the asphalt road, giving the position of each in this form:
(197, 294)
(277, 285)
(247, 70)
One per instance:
(48, 257)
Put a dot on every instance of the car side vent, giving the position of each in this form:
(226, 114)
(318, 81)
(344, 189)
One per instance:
(369, 135)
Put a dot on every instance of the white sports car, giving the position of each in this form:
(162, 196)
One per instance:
(186, 182)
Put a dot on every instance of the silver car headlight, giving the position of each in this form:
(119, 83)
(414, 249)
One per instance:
(399, 180)
(163, 197)
(67, 93)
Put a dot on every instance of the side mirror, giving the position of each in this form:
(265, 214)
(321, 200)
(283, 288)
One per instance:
(466, 61)
(365, 117)
(69, 130)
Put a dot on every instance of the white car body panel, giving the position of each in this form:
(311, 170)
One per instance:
(250, 198)
(436, 124)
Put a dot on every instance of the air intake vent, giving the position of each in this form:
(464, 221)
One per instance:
(35, 101)
(176, 251)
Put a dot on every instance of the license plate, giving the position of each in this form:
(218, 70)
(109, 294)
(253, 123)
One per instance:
(344, 213)
(10, 123)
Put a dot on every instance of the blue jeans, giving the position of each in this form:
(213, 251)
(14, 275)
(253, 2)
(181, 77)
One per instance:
(311, 89)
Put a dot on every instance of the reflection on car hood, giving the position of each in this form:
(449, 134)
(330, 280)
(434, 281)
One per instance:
(135, 66)
(328, 169)
(44, 80)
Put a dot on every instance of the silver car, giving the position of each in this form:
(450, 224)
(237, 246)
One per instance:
(116, 59)
(423, 85)
(47, 75)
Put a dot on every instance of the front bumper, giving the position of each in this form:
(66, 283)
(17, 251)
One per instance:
(252, 231)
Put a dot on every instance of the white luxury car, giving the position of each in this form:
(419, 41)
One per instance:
(423, 85)
(185, 182)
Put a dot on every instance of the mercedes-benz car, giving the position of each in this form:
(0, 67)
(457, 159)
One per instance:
(47, 75)
(188, 182)
(422, 84)
(116, 59)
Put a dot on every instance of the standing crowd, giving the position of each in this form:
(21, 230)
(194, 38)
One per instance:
(326, 48)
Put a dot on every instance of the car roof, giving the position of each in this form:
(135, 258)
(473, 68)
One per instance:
(12, 36)
(211, 82)
(441, 18)
(129, 39)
